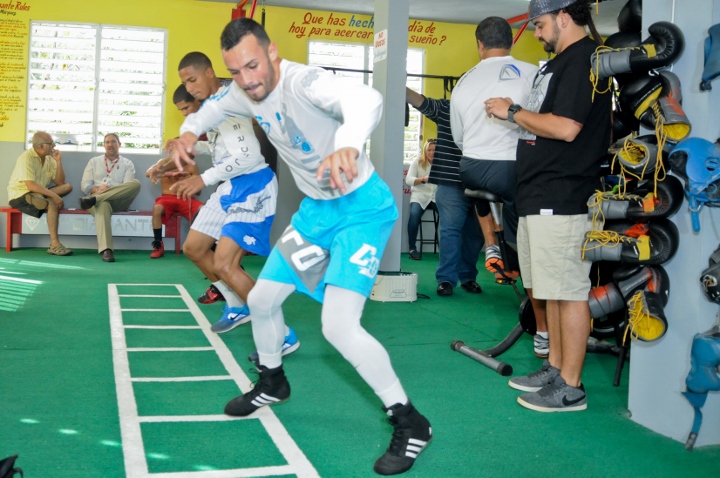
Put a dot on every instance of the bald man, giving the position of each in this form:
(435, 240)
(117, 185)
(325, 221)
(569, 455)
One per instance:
(29, 188)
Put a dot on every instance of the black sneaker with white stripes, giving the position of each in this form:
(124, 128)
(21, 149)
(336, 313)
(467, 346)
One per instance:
(412, 434)
(271, 388)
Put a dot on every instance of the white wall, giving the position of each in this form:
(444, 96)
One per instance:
(658, 369)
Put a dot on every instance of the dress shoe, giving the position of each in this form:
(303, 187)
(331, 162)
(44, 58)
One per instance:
(87, 203)
(108, 256)
(472, 287)
(444, 289)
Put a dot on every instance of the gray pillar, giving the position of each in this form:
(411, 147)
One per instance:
(658, 369)
(386, 146)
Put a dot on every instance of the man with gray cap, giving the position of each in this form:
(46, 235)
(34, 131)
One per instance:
(566, 132)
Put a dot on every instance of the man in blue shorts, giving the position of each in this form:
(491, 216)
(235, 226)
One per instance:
(331, 251)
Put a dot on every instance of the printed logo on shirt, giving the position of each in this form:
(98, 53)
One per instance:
(509, 72)
(263, 124)
(249, 240)
(310, 77)
(546, 212)
(294, 133)
(536, 98)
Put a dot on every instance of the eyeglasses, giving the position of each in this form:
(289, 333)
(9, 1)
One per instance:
(52, 145)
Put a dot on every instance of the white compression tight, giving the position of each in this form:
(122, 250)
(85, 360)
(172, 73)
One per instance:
(341, 327)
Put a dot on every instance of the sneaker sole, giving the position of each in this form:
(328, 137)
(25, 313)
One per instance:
(235, 324)
(530, 406)
(209, 301)
(292, 348)
(523, 388)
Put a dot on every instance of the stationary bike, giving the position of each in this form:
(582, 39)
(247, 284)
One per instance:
(526, 314)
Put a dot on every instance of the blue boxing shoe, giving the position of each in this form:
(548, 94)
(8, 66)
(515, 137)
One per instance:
(290, 345)
(232, 317)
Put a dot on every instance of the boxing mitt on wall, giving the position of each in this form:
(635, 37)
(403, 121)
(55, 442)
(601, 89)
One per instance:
(624, 40)
(656, 100)
(662, 48)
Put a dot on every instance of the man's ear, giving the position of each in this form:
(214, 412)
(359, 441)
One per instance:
(209, 72)
(272, 51)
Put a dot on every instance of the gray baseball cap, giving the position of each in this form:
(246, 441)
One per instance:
(541, 7)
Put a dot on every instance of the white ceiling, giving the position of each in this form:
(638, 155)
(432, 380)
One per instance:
(451, 11)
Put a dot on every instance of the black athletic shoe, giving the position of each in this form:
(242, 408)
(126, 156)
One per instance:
(412, 434)
(211, 295)
(271, 388)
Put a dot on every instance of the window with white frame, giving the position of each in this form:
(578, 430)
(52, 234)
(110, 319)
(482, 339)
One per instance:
(85, 81)
(359, 57)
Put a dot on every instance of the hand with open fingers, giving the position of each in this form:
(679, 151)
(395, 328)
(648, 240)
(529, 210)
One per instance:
(154, 173)
(181, 149)
(497, 107)
(188, 187)
(339, 162)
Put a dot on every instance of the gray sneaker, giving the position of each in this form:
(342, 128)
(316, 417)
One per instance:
(536, 380)
(557, 396)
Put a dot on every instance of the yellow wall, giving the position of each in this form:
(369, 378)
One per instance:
(196, 25)
(454, 50)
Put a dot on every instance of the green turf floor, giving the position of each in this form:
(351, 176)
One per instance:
(59, 407)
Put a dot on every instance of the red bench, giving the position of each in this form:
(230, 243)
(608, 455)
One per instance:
(14, 224)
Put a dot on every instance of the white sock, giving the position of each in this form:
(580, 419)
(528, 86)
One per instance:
(543, 334)
(231, 298)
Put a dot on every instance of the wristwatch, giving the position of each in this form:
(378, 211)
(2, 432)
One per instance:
(514, 108)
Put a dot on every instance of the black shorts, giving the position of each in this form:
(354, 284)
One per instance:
(22, 205)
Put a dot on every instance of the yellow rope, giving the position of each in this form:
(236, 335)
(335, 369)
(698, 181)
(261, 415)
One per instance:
(661, 136)
(640, 323)
(637, 314)
(595, 71)
(597, 222)
(604, 239)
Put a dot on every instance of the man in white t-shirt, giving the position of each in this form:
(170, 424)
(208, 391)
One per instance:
(489, 145)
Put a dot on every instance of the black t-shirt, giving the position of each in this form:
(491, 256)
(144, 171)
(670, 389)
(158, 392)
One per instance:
(554, 175)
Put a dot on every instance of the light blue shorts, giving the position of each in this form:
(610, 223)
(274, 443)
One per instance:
(337, 241)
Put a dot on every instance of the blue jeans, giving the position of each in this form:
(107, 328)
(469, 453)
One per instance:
(461, 239)
(416, 213)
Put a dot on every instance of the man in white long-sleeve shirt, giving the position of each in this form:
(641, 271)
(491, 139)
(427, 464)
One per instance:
(239, 214)
(332, 249)
(109, 180)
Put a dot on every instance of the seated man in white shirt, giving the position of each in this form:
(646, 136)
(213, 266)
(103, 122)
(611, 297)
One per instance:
(110, 183)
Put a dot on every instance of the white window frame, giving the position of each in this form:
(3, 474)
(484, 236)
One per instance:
(46, 66)
(413, 132)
